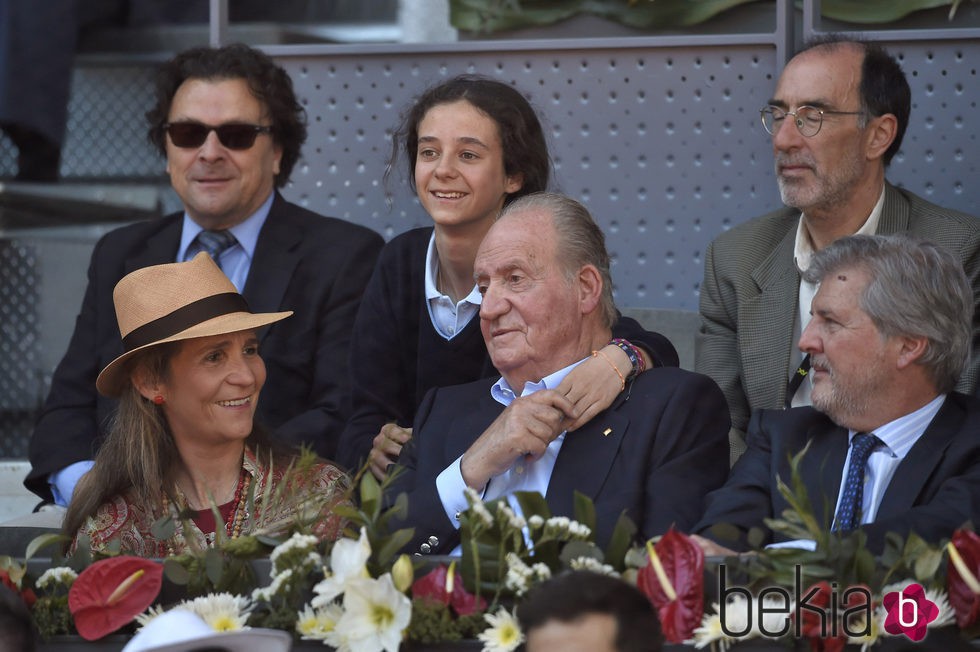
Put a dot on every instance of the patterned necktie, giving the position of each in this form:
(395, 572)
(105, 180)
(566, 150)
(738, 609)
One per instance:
(849, 512)
(216, 242)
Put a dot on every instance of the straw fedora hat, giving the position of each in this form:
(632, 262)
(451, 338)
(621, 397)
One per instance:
(172, 302)
(182, 631)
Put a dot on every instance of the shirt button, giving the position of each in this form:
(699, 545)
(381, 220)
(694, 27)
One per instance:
(520, 470)
(425, 548)
(457, 516)
(433, 541)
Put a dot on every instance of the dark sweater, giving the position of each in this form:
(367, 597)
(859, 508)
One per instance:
(397, 355)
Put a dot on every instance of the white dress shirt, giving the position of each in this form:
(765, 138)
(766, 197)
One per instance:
(447, 318)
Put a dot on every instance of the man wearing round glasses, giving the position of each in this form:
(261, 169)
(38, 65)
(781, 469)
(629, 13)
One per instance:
(231, 129)
(836, 119)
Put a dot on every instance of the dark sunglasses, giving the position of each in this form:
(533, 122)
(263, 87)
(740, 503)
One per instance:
(234, 135)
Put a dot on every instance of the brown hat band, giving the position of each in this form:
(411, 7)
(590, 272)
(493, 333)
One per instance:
(184, 317)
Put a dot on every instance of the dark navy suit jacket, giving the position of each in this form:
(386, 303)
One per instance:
(666, 448)
(935, 489)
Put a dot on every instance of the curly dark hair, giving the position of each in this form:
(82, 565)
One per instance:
(521, 135)
(269, 83)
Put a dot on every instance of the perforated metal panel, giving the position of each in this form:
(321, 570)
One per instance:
(20, 382)
(662, 143)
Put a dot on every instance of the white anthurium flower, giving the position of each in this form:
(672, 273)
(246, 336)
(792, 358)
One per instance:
(375, 617)
(504, 633)
(348, 562)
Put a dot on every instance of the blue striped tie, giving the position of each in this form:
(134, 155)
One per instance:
(216, 243)
(849, 512)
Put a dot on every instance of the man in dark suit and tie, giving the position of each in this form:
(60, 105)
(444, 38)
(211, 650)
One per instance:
(231, 129)
(547, 305)
(890, 446)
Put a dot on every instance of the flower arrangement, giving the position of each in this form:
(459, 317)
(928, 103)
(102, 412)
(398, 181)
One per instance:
(360, 594)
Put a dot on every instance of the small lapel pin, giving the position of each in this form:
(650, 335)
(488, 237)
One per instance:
(607, 432)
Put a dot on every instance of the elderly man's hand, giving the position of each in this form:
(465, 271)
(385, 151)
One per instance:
(387, 447)
(524, 429)
(712, 549)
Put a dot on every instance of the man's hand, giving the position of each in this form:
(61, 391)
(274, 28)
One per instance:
(387, 447)
(523, 429)
(593, 385)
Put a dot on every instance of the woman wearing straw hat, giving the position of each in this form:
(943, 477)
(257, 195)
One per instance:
(184, 437)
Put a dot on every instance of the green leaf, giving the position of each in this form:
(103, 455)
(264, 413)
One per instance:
(584, 510)
(176, 572)
(927, 564)
(391, 544)
(620, 542)
(578, 549)
(214, 565)
(875, 11)
(43, 541)
(370, 492)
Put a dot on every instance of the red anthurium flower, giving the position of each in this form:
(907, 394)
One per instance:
(27, 595)
(442, 585)
(961, 577)
(111, 592)
(674, 582)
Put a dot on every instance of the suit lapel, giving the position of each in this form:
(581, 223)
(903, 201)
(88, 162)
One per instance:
(463, 431)
(772, 313)
(274, 261)
(919, 464)
(823, 468)
(585, 459)
(160, 248)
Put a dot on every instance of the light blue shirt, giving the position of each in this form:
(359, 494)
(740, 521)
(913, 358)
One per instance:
(237, 259)
(235, 262)
(897, 438)
(523, 475)
(447, 318)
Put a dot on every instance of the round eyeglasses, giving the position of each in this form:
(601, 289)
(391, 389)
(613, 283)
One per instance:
(808, 119)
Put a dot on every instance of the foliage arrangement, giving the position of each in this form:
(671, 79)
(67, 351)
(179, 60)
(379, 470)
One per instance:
(360, 594)
(487, 16)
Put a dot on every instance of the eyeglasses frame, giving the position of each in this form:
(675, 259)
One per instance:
(797, 120)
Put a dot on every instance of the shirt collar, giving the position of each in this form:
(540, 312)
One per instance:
(505, 395)
(803, 248)
(246, 232)
(901, 434)
(432, 271)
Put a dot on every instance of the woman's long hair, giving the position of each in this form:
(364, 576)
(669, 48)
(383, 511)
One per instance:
(139, 454)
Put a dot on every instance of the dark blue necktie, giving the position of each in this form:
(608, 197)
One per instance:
(216, 242)
(849, 512)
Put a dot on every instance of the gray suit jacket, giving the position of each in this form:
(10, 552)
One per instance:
(750, 296)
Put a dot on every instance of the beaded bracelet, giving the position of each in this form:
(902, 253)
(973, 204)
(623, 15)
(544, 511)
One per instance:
(619, 373)
(636, 360)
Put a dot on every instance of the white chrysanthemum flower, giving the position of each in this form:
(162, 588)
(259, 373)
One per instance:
(738, 617)
(61, 575)
(375, 616)
(504, 633)
(317, 624)
(151, 613)
(774, 618)
(594, 565)
(224, 612)
(710, 632)
(875, 632)
(348, 562)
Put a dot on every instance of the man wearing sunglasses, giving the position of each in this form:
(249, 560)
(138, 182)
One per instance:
(231, 130)
(836, 119)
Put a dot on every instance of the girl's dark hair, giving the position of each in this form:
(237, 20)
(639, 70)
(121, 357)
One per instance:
(521, 135)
